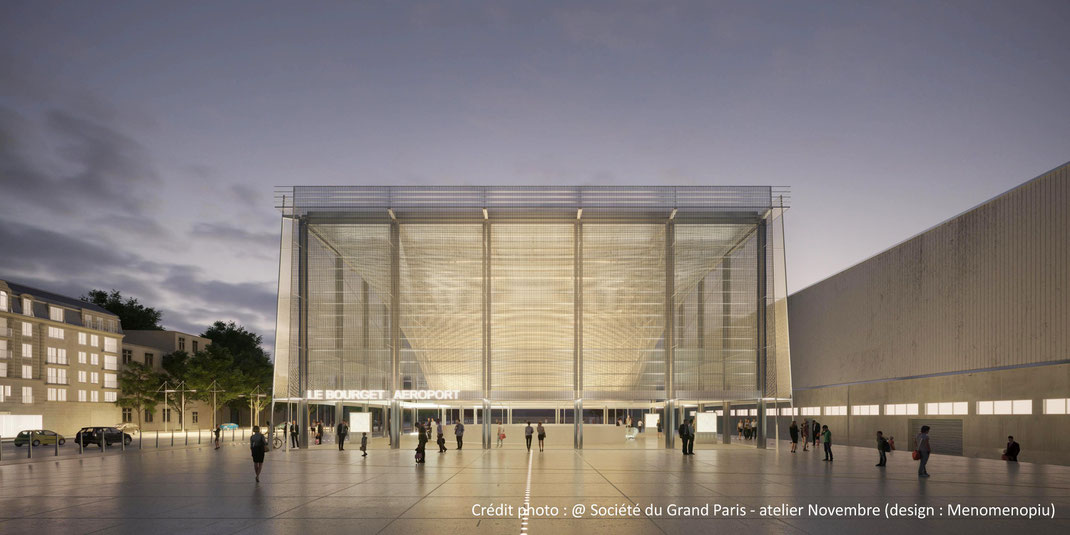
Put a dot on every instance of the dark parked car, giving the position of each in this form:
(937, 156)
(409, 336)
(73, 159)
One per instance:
(92, 435)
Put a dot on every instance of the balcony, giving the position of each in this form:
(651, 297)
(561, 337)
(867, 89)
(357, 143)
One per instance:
(5, 353)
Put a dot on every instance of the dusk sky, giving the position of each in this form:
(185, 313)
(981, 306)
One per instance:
(140, 141)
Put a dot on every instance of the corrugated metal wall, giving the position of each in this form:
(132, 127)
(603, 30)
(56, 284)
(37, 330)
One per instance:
(985, 289)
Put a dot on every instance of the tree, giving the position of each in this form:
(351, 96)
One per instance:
(177, 366)
(214, 364)
(132, 314)
(244, 347)
(139, 389)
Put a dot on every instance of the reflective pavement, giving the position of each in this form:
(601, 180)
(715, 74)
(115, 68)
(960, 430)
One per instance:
(323, 491)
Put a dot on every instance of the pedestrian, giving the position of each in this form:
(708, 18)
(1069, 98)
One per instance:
(639, 425)
(923, 449)
(691, 436)
(542, 435)
(659, 427)
(458, 430)
(683, 432)
(293, 434)
(816, 432)
(739, 429)
(1013, 449)
(806, 434)
(421, 446)
(793, 431)
(891, 444)
(441, 439)
(342, 431)
(883, 448)
(826, 439)
(319, 433)
(618, 422)
(257, 445)
(364, 444)
(527, 435)
(501, 434)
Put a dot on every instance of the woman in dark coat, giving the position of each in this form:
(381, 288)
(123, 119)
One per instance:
(793, 430)
(421, 447)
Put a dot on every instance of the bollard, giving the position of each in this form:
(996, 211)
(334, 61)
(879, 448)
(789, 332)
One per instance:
(231, 435)
(198, 437)
(81, 445)
(157, 439)
(243, 434)
(187, 436)
(29, 448)
(57, 445)
(140, 438)
(122, 441)
(172, 439)
(103, 443)
(1, 448)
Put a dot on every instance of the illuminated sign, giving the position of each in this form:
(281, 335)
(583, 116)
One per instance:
(374, 395)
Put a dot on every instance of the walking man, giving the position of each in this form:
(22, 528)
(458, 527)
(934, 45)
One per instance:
(293, 434)
(364, 444)
(459, 431)
(826, 439)
(683, 436)
(691, 436)
(816, 432)
(441, 439)
(882, 447)
(528, 431)
(924, 449)
(1013, 449)
(342, 431)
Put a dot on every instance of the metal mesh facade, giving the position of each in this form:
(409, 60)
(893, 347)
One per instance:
(528, 294)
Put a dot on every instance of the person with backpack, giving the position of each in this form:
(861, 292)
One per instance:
(883, 447)
(922, 450)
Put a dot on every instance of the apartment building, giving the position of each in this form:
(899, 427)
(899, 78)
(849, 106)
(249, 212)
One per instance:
(59, 359)
(150, 347)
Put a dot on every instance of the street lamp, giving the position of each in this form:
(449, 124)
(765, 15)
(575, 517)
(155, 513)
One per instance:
(181, 388)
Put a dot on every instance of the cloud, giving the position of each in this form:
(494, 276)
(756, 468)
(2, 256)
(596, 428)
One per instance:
(235, 235)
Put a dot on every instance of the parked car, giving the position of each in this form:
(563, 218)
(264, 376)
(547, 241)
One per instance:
(229, 426)
(38, 437)
(92, 435)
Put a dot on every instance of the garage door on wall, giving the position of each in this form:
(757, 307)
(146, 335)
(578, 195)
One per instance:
(945, 435)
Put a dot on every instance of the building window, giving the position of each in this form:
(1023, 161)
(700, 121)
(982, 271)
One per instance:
(94, 377)
(27, 371)
(811, 411)
(150, 359)
(3, 301)
(94, 396)
(111, 362)
(194, 414)
(167, 415)
(1019, 406)
(947, 408)
(181, 344)
(837, 410)
(110, 380)
(5, 392)
(57, 376)
(83, 338)
(866, 410)
(1056, 406)
(128, 356)
(55, 332)
(27, 394)
(194, 346)
(81, 377)
(94, 359)
(27, 351)
(111, 345)
(901, 409)
(27, 328)
(27, 310)
(148, 416)
(110, 397)
(3, 369)
(128, 416)
(81, 396)
(57, 394)
(793, 411)
(94, 340)
(55, 314)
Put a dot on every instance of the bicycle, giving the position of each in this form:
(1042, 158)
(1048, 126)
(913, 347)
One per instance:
(277, 442)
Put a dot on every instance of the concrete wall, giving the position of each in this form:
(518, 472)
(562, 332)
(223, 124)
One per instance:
(988, 288)
(972, 310)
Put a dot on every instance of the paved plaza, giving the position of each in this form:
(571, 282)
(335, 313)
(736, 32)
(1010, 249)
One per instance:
(323, 491)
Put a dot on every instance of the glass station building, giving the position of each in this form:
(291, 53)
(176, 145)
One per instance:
(562, 302)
